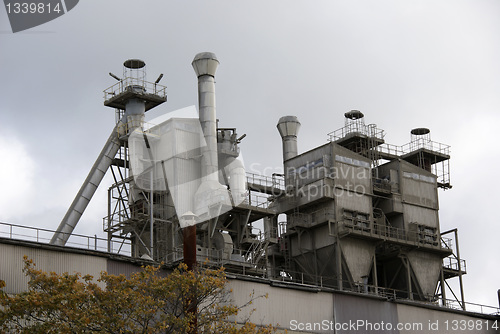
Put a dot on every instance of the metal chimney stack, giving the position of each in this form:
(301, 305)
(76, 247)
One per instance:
(210, 191)
(205, 65)
(135, 72)
(288, 127)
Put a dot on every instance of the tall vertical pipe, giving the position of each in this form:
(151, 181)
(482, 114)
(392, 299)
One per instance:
(210, 192)
(288, 127)
(205, 65)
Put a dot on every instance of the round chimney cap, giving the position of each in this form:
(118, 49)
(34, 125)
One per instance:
(420, 131)
(284, 119)
(288, 126)
(134, 63)
(205, 63)
(354, 114)
(205, 55)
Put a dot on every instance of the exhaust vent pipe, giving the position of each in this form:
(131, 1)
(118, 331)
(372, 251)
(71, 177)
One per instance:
(288, 127)
(210, 192)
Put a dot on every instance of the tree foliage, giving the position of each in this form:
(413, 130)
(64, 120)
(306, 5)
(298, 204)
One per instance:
(145, 302)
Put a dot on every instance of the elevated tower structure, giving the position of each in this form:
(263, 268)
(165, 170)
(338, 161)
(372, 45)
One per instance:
(363, 214)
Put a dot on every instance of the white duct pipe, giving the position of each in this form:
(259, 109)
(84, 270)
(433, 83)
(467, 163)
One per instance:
(134, 114)
(237, 180)
(205, 65)
(211, 192)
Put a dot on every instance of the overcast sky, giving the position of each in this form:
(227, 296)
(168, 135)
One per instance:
(404, 64)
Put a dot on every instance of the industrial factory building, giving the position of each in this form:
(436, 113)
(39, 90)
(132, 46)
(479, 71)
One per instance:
(346, 239)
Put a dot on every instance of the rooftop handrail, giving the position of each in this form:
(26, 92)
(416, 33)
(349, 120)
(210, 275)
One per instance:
(215, 256)
(451, 262)
(320, 281)
(446, 243)
(122, 85)
(398, 150)
(42, 235)
(367, 130)
(426, 144)
(362, 226)
(382, 184)
(255, 199)
(275, 181)
(390, 149)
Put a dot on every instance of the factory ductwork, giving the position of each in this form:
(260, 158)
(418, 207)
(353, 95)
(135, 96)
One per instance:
(237, 180)
(288, 127)
(210, 191)
(205, 65)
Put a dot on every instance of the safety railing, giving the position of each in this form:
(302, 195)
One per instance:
(364, 227)
(390, 149)
(452, 263)
(216, 257)
(130, 83)
(332, 282)
(271, 233)
(382, 185)
(137, 211)
(258, 200)
(471, 307)
(311, 218)
(426, 144)
(385, 148)
(275, 181)
(41, 235)
(369, 130)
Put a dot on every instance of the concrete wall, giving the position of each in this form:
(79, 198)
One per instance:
(333, 312)
(11, 264)
(308, 167)
(420, 215)
(282, 305)
(352, 201)
(443, 322)
(351, 170)
(418, 186)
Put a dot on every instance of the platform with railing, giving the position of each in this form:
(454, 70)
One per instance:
(117, 95)
(324, 282)
(43, 235)
(357, 129)
(271, 185)
(352, 226)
